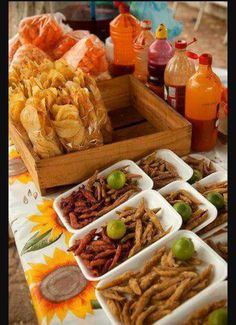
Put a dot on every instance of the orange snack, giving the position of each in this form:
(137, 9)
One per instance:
(89, 55)
(14, 44)
(42, 31)
(67, 42)
(29, 52)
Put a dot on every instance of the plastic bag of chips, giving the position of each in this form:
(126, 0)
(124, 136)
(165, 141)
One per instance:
(14, 44)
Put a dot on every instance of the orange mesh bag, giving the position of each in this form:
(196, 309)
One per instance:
(67, 41)
(89, 54)
(42, 31)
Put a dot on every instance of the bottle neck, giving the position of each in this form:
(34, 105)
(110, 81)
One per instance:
(204, 68)
(180, 52)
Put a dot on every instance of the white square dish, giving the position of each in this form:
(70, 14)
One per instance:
(167, 216)
(205, 253)
(213, 293)
(184, 171)
(205, 204)
(144, 183)
(217, 177)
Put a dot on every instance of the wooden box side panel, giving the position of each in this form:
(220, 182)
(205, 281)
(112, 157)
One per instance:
(81, 165)
(155, 109)
(115, 92)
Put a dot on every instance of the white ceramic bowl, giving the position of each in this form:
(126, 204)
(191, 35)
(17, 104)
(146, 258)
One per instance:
(217, 177)
(167, 215)
(184, 171)
(205, 204)
(205, 253)
(145, 183)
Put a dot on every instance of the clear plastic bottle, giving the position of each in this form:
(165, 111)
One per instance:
(123, 30)
(141, 45)
(159, 53)
(178, 70)
(202, 99)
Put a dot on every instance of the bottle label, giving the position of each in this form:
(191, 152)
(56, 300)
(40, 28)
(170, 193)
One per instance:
(176, 97)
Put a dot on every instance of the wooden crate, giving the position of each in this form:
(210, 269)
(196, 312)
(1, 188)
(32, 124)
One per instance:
(142, 122)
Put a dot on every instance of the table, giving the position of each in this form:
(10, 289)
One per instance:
(60, 294)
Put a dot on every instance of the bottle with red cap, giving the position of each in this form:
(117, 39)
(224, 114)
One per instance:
(202, 99)
(123, 30)
(159, 53)
(141, 45)
(178, 70)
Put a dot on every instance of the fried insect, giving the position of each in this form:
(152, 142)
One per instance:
(161, 171)
(204, 166)
(101, 253)
(154, 294)
(222, 215)
(93, 200)
(198, 215)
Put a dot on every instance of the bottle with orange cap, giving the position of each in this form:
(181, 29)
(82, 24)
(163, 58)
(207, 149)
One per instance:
(202, 99)
(178, 70)
(123, 30)
(159, 53)
(141, 44)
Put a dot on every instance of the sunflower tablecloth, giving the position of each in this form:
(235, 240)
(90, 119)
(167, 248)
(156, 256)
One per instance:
(60, 293)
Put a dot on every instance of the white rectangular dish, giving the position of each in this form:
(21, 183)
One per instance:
(205, 253)
(199, 156)
(184, 171)
(206, 205)
(217, 177)
(213, 293)
(167, 216)
(145, 183)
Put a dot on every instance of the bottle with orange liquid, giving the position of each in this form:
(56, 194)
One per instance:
(202, 99)
(123, 30)
(159, 53)
(141, 45)
(178, 70)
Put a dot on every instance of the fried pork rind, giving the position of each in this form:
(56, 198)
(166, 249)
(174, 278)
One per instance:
(158, 288)
(72, 103)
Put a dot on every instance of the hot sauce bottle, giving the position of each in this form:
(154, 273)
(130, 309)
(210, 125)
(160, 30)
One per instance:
(202, 99)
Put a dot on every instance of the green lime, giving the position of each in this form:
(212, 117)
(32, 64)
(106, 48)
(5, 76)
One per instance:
(218, 317)
(183, 248)
(197, 175)
(184, 210)
(116, 179)
(116, 229)
(216, 199)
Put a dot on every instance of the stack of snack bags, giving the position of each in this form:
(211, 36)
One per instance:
(53, 98)
(49, 34)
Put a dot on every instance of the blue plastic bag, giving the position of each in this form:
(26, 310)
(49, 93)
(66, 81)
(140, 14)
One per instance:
(158, 12)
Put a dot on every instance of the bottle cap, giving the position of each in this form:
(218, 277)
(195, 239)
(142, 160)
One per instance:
(192, 55)
(123, 7)
(161, 32)
(180, 44)
(205, 59)
(146, 24)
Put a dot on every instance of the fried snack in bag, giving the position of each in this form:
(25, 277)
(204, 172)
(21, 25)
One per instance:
(13, 45)
(27, 53)
(67, 41)
(42, 31)
(89, 54)
(35, 120)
